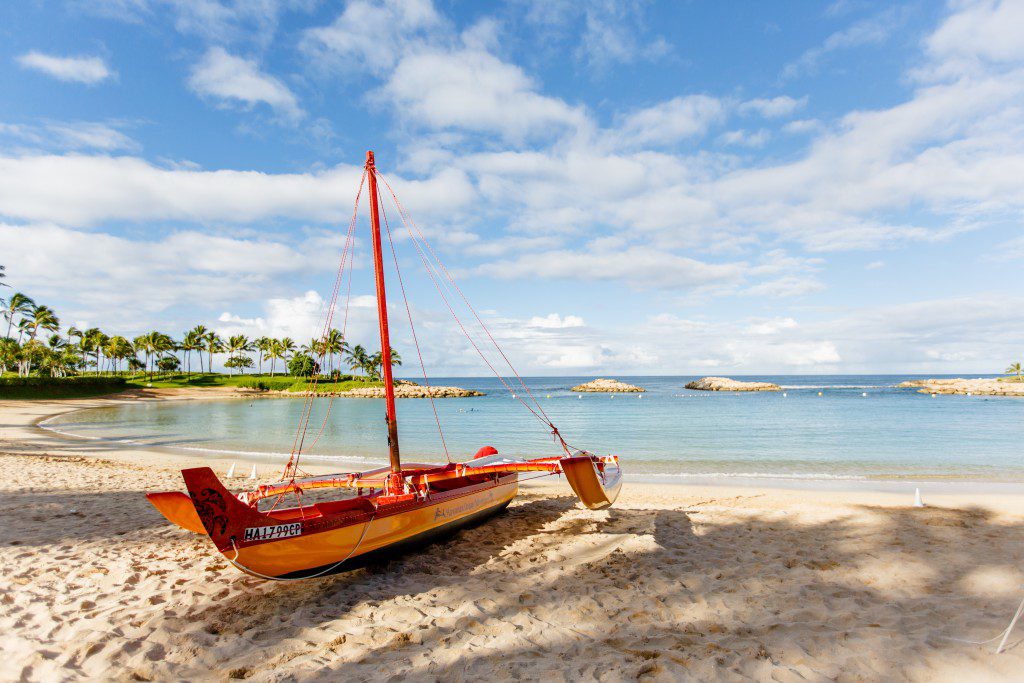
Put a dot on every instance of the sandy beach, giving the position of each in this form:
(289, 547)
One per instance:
(673, 583)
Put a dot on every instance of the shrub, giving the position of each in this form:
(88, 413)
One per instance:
(266, 383)
(59, 387)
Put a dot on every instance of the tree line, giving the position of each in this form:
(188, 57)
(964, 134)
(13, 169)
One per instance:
(33, 343)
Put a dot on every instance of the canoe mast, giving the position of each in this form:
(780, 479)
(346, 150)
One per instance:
(382, 317)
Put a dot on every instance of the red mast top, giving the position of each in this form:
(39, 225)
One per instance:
(382, 316)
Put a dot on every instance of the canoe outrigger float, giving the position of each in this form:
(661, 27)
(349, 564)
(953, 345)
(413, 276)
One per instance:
(393, 507)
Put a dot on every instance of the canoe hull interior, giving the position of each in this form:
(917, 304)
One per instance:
(323, 539)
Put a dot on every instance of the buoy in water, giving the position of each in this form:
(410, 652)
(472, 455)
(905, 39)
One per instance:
(864, 393)
(231, 471)
(252, 475)
(579, 395)
(819, 393)
(549, 395)
(784, 394)
(934, 395)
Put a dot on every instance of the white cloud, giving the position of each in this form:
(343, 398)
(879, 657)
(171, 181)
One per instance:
(987, 30)
(774, 107)
(871, 31)
(371, 35)
(635, 265)
(128, 281)
(69, 135)
(667, 123)
(88, 190)
(231, 79)
(472, 90)
(745, 138)
(609, 32)
(88, 70)
(801, 126)
(875, 265)
(555, 321)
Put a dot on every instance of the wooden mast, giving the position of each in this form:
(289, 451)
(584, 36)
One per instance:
(382, 317)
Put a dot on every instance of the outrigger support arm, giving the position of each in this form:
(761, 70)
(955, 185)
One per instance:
(382, 317)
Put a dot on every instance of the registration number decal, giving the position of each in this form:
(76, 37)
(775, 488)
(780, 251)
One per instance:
(270, 533)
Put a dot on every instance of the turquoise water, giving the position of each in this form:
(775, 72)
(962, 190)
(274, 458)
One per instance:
(667, 432)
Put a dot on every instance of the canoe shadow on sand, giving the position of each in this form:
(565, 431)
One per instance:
(667, 593)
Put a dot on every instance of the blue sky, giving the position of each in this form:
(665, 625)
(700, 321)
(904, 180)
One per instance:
(623, 187)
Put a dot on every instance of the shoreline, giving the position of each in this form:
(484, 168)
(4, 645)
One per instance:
(323, 464)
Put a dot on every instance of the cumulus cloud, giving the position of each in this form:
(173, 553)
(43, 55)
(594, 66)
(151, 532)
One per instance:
(473, 90)
(667, 123)
(773, 107)
(88, 70)
(236, 80)
(89, 190)
(371, 35)
(124, 281)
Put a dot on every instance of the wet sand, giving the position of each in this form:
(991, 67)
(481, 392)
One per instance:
(673, 583)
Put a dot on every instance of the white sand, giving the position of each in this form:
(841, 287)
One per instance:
(675, 582)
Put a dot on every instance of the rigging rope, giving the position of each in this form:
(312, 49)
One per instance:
(407, 220)
(416, 341)
(291, 468)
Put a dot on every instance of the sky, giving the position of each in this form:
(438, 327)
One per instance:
(620, 187)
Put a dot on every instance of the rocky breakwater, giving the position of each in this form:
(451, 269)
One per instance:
(974, 387)
(726, 384)
(409, 390)
(611, 386)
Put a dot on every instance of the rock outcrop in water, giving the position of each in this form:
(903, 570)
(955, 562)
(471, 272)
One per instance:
(726, 384)
(974, 387)
(411, 390)
(612, 386)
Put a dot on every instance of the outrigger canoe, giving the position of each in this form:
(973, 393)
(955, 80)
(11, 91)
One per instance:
(394, 507)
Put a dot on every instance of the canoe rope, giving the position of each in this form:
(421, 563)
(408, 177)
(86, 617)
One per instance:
(416, 342)
(292, 467)
(241, 566)
(1004, 634)
(431, 270)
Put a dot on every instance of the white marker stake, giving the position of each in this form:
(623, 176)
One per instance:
(252, 475)
(917, 499)
(231, 471)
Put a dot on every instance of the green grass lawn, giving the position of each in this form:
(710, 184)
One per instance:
(264, 381)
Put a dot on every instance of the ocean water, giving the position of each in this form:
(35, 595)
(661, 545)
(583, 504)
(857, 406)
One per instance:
(861, 427)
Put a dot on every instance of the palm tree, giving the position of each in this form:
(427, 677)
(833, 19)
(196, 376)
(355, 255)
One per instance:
(357, 358)
(200, 334)
(287, 347)
(275, 352)
(237, 345)
(1015, 369)
(17, 305)
(117, 349)
(214, 344)
(377, 364)
(99, 343)
(334, 343)
(2, 276)
(190, 343)
(44, 318)
(262, 344)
